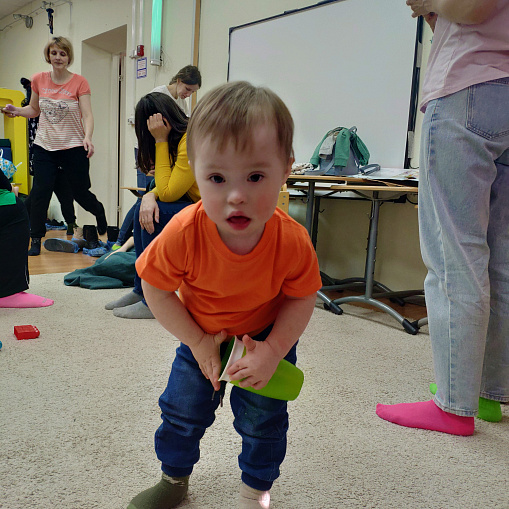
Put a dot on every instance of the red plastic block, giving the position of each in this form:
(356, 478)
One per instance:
(26, 331)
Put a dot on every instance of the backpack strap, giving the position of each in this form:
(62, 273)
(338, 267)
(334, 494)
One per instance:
(315, 158)
(358, 146)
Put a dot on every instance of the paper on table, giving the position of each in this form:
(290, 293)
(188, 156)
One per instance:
(381, 174)
(391, 174)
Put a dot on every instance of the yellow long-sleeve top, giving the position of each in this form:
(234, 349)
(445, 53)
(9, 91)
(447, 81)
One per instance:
(173, 182)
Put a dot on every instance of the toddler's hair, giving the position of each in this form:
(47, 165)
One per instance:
(61, 43)
(231, 111)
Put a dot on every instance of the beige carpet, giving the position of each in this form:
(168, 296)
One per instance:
(78, 409)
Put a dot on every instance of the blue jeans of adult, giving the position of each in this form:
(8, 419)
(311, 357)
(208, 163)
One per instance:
(127, 227)
(142, 238)
(464, 233)
(188, 407)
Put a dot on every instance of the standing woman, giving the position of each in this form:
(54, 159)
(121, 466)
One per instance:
(464, 215)
(63, 139)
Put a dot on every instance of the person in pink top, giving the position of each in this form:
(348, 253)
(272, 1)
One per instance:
(63, 139)
(464, 215)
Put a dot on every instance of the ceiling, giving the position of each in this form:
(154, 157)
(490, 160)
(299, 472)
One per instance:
(8, 7)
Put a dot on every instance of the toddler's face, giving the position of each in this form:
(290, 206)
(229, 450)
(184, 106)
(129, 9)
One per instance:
(240, 188)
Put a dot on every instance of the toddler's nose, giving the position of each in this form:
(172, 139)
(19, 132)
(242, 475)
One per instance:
(237, 195)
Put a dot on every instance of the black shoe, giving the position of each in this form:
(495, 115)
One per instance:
(70, 228)
(35, 248)
(90, 236)
(112, 232)
(61, 245)
(102, 224)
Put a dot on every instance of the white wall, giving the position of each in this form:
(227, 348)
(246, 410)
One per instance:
(343, 225)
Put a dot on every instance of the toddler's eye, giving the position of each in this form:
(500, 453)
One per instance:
(217, 179)
(255, 178)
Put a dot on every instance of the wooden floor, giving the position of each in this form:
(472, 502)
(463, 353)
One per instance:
(50, 262)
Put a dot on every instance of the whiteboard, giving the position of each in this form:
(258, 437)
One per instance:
(343, 63)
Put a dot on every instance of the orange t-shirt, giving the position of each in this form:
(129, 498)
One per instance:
(224, 290)
(60, 126)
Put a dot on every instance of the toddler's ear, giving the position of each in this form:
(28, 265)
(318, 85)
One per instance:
(288, 168)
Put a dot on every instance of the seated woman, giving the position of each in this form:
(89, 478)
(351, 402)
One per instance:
(161, 131)
(14, 238)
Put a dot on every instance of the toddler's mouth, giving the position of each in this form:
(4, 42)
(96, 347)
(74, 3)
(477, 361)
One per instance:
(238, 222)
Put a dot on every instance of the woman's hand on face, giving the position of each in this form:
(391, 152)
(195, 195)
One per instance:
(89, 147)
(158, 127)
(149, 212)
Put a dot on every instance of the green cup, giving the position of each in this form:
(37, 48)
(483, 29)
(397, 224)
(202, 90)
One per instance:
(285, 383)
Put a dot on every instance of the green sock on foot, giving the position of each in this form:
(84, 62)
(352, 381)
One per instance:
(167, 493)
(489, 410)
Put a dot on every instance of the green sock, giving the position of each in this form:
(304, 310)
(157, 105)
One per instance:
(489, 410)
(167, 493)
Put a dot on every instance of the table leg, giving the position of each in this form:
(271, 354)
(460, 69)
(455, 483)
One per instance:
(368, 280)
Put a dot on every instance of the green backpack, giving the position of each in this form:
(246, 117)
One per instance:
(341, 152)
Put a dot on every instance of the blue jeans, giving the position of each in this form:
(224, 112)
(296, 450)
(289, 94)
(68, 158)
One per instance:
(464, 232)
(126, 230)
(142, 238)
(188, 407)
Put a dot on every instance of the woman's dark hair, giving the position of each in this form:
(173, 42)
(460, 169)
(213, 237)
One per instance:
(190, 75)
(148, 105)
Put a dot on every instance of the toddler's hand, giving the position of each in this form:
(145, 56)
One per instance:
(256, 368)
(207, 355)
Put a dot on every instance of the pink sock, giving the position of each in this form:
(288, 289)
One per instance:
(426, 415)
(24, 300)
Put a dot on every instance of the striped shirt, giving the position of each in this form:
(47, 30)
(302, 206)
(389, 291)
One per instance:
(60, 125)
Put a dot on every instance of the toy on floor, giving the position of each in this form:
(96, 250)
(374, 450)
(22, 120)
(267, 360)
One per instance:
(26, 331)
